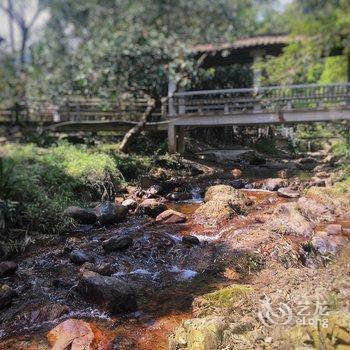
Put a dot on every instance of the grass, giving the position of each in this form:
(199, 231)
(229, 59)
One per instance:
(41, 182)
(226, 296)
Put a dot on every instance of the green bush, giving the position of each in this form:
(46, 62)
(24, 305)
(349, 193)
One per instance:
(45, 181)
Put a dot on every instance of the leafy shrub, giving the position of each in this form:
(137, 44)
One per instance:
(46, 181)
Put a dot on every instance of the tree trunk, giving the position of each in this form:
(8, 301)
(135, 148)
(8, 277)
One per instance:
(134, 131)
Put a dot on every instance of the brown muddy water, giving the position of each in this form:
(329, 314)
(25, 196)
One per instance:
(166, 274)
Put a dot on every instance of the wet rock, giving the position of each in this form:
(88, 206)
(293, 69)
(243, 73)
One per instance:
(287, 220)
(257, 160)
(63, 283)
(287, 192)
(154, 191)
(199, 334)
(81, 215)
(171, 216)
(45, 313)
(334, 229)
(79, 257)
(72, 333)
(107, 292)
(115, 244)
(109, 213)
(190, 240)
(6, 296)
(274, 184)
(105, 269)
(179, 195)
(7, 268)
(152, 207)
(130, 203)
(237, 184)
(147, 182)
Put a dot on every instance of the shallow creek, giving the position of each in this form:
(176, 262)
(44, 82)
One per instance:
(166, 273)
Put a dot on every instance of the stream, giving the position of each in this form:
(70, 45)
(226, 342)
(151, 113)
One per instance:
(166, 274)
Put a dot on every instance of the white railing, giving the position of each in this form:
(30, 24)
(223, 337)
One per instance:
(275, 98)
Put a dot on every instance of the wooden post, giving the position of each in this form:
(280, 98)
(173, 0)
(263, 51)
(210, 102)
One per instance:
(181, 139)
(171, 138)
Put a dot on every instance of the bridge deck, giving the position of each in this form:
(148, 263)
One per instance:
(268, 105)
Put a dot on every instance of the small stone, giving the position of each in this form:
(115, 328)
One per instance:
(117, 244)
(79, 257)
(130, 203)
(236, 173)
(171, 216)
(190, 240)
(7, 268)
(152, 207)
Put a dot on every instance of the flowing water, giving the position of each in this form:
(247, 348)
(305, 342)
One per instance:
(166, 273)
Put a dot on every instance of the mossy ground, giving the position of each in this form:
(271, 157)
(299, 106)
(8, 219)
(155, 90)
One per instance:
(227, 295)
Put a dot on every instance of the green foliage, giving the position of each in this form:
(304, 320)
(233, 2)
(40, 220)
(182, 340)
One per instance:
(46, 181)
(266, 145)
(228, 295)
(335, 70)
(323, 29)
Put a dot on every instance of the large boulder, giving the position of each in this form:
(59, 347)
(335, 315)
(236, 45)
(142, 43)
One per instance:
(152, 207)
(7, 268)
(81, 215)
(109, 213)
(221, 203)
(109, 293)
(199, 334)
(117, 244)
(171, 216)
(288, 220)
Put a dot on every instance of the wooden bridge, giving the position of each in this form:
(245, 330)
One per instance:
(255, 106)
(193, 109)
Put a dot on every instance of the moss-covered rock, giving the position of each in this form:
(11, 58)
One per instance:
(199, 334)
(221, 203)
(332, 333)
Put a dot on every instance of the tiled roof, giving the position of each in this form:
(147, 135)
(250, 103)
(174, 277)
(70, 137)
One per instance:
(258, 41)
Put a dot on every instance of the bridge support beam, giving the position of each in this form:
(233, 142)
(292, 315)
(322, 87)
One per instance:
(172, 144)
(176, 138)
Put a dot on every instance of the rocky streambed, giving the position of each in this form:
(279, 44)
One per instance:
(198, 252)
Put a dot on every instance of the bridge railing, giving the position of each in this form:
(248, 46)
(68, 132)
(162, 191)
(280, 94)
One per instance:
(43, 111)
(274, 99)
